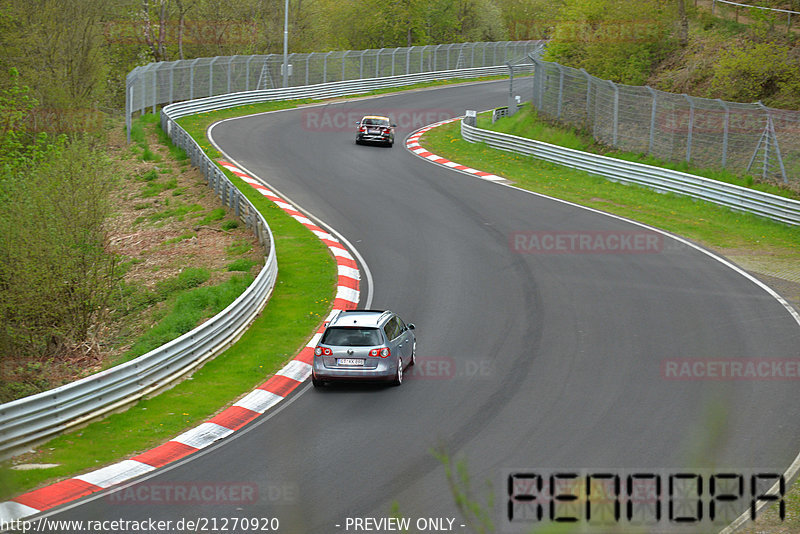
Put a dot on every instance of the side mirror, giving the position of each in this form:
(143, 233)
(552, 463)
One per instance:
(394, 126)
(411, 326)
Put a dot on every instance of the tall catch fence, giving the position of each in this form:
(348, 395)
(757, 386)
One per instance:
(708, 133)
(174, 81)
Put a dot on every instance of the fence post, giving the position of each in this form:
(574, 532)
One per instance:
(653, 108)
(616, 112)
(690, 128)
(325, 68)
(588, 92)
(560, 91)
(155, 86)
(725, 129)
(343, 62)
(361, 69)
(308, 60)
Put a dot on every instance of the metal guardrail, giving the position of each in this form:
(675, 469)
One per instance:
(499, 113)
(774, 207)
(34, 418)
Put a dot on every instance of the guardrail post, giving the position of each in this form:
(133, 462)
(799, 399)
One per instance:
(653, 107)
(690, 128)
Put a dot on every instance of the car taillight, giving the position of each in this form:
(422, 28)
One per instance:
(362, 129)
(383, 353)
(322, 351)
(387, 130)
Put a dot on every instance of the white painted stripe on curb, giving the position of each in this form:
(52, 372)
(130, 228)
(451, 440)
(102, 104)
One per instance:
(296, 370)
(11, 510)
(303, 220)
(284, 205)
(349, 272)
(259, 400)
(203, 435)
(314, 340)
(325, 235)
(116, 473)
(342, 253)
(345, 293)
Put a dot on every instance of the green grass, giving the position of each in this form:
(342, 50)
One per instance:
(188, 310)
(242, 264)
(527, 123)
(238, 248)
(154, 188)
(214, 215)
(697, 220)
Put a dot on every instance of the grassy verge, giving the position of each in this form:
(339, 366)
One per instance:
(710, 225)
(701, 221)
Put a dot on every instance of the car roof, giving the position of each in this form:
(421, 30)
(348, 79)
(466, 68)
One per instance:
(374, 117)
(370, 318)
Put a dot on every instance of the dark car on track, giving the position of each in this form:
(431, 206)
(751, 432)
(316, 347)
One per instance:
(364, 345)
(376, 129)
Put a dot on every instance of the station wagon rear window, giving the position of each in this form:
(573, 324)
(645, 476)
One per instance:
(351, 336)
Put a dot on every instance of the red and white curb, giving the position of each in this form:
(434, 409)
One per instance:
(412, 144)
(221, 425)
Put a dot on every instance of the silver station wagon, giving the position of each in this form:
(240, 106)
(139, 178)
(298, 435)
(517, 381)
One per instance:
(364, 345)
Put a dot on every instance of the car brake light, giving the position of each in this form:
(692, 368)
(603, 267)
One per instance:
(362, 129)
(322, 351)
(383, 353)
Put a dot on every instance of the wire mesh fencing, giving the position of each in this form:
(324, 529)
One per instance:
(173, 81)
(710, 133)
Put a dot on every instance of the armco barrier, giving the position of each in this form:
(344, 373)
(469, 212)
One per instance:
(774, 207)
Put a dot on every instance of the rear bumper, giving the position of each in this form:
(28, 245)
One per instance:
(386, 370)
(377, 138)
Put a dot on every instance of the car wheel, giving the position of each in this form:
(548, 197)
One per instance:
(413, 355)
(398, 379)
(358, 141)
(316, 382)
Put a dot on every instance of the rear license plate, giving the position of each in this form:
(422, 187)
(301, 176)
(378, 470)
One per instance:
(350, 361)
(373, 131)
